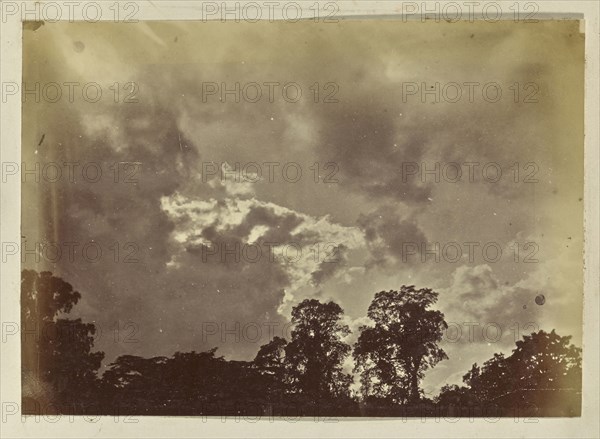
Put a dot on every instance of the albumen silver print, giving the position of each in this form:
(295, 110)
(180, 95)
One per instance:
(322, 219)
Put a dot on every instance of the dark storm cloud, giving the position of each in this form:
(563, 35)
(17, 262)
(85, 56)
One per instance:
(361, 137)
(129, 225)
(370, 134)
(388, 237)
(334, 261)
(130, 218)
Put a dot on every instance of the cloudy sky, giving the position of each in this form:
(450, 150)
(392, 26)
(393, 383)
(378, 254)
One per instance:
(354, 223)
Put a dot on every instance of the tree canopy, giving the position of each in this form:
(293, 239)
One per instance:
(316, 352)
(56, 351)
(393, 354)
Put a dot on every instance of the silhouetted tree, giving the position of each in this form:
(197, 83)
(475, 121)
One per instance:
(493, 379)
(55, 351)
(456, 400)
(197, 375)
(547, 360)
(316, 351)
(451, 394)
(307, 373)
(393, 355)
(540, 361)
(270, 363)
(187, 380)
(135, 376)
(44, 296)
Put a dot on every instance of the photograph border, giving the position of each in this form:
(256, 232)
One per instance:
(14, 425)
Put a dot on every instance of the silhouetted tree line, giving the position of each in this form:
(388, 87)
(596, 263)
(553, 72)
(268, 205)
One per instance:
(304, 376)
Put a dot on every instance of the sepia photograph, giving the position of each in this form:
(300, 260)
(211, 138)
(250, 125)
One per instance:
(318, 218)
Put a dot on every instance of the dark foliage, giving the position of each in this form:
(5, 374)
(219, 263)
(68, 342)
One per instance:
(393, 355)
(58, 365)
(300, 378)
